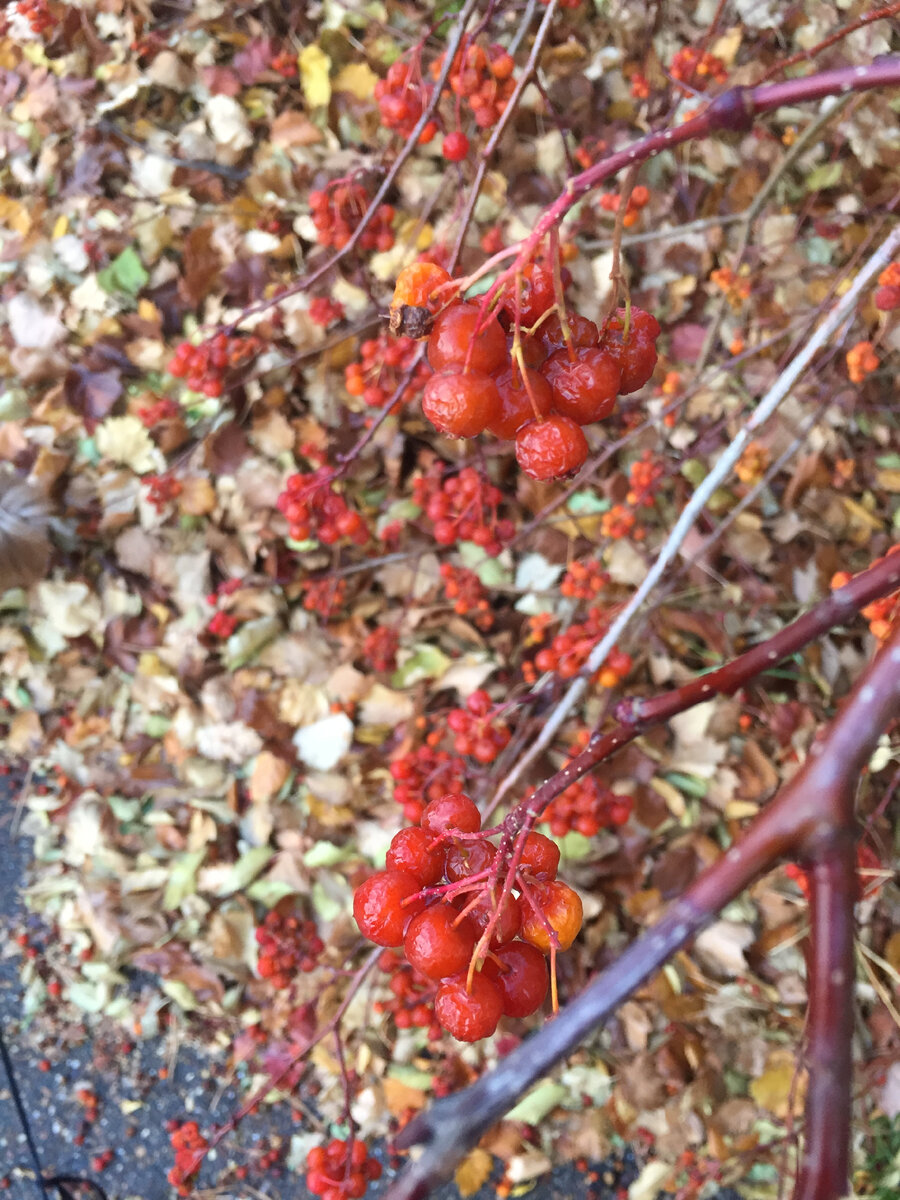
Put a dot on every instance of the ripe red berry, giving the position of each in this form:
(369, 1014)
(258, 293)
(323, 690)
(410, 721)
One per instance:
(378, 906)
(453, 341)
(540, 856)
(410, 851)
(461, 405)
(551, 448)
(456, 146)
(469, 1016)
(437, 943)
(480, 914)
(520, 972)
(637, 354)
(521, 401)
(582, 331)
(453, 811)
(468, 858)
(585, 382)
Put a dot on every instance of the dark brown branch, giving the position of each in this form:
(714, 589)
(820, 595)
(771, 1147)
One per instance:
(806, 817)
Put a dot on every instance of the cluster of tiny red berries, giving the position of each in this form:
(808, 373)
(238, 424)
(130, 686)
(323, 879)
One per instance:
(586, 807)
(205, 367)
(402, 96)
(584, 580)
(697, 69)
(162, 490)
(570, 649)
(467, 594)
(323, 311)
(463, 508)
(314, 509)
(380, 648)
(887, 295)
(881, 614)
(423, 775)
(482, 77)
(644, 477)
(477, 732)
(166, 409)
(412, 995)
(324, 596)
(338, 209)
(377, 374)
(638, 199)
(341, 1170)
(572, 377)
(189, 1144)
(437, 898)
(287, 944)
(38, 15)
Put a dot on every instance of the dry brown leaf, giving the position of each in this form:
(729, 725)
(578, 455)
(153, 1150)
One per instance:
(473, 1171)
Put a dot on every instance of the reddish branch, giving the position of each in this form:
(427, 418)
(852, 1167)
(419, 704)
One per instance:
(811, 817)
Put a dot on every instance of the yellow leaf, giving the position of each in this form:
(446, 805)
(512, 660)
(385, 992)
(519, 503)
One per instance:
(315, 66)
(473, 1171)
(777, 1086)
(14, 215)
(358, 79)
(399, 1096)
(61, 227)
(889, 479)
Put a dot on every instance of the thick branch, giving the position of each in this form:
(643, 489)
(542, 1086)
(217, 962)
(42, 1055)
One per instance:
(798, 819)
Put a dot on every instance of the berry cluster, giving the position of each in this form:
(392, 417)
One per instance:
(189, 1145)
(151, 415)
(620, 522)
(570, 649)
(314, 509)
(38, 15)
(753, 463)
(586, 807)
(204, 367)
(861, 361)
(341, 1170)
(382, 364)
(697, 69)
(162, 490)
(222, 624)
(423, 775)
(881, 614)
(412, 995)
(584, 581)
(338, 209)
(476, 732)
(735, 286)
(468, 595)
(323, 310)
(402, 96)
(287, 944)
(644, 478)
(380, 648)
(285, 63)
(324, 596)
(887, 296)
(463, 508)
(565, 375)
(638, 199)
(438, 898)
(481, 77)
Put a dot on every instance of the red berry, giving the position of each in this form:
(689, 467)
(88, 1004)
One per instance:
(582, 331)
(520, 401)
(378, 906)
(520, 972)
(469, 1016)
(562, 911)
(551, 448)
(461, 405)
(636, 355)
(453, 811)
(585, 382)
(480, 914)
(453, 341)
(456, 146)
(468, 858)
(410, 851)
(437, 943)
(540, 856)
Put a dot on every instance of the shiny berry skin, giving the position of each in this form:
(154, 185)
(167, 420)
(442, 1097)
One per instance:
(378, 906)
(456, 146)
(521, 975)
(454, 811)
(563, 912)
(461, 405)
(540, 856)
(453, 336)
(410, 851)
(518, 401)
(536, 296)
(468, 858)
(636, 356)
(585, 383)
(416, 283)
(469, 1016)
(551, 448)
(437, 943)
(510, 920)
(583, 332)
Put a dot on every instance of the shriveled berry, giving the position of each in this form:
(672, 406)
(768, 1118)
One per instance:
(411, 851)
(462, 404)
(520, 972)
(635, 354)
(508, 923)
(585, 382)
(379, 909)
(453, 811)
(469, 1016)
(551, 448)
(468, 858)
(437, 943)
(582, 331)
(453, 338)
(416, 284)
(521, 401)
